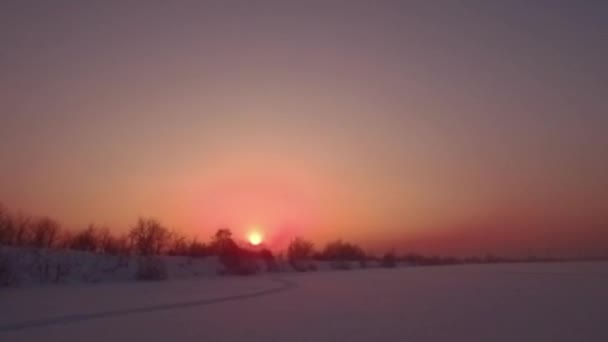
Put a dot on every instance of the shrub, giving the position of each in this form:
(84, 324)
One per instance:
(151, 268)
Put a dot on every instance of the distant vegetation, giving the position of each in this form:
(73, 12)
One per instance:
(148, 238)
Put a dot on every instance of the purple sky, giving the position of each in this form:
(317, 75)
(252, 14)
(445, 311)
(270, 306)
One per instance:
(456, 126)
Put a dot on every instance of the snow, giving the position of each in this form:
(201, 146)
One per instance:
(41, 267)
(512, 302)
(86, 267)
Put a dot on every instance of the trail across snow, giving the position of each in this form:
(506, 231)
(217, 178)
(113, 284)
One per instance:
(282, 285)
(519, 302)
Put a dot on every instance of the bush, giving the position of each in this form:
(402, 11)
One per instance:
(151, 268)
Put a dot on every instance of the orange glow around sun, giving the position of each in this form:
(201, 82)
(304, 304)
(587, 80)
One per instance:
(255, 237)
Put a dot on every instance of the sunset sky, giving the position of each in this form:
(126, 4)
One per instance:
(448, 127)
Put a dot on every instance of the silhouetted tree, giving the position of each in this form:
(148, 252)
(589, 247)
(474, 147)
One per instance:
(299, 253)
(121, 245)
(342, 251)
(149, 236)
(221, 239)
(198, 249)
(64, 239)
(44, 232)
(110, 244)
(86, 240)
(22, 225)
(269, 259)
(177, 245)
(7, 227)
(300, 249)
(226, 249)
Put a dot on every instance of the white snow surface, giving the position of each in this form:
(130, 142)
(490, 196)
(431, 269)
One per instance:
(510, 302)
(40, 267)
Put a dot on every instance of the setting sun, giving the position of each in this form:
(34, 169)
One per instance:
(255, 238)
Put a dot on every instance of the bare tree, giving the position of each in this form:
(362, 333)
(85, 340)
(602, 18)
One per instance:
(65, 239)
(7, 227)
(177, 244)
(198, 249)
(44, 232)
(149, 236)
(87, 240)
(300, 249)
(22, 225)
(342, 251)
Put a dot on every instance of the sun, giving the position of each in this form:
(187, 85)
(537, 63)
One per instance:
(255, 237)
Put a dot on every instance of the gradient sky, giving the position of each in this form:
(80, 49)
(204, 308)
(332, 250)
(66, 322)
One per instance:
(450, 127)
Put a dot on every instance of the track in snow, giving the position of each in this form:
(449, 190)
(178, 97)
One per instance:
(285, 285)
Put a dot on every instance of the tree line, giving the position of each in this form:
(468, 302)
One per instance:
(148, 237)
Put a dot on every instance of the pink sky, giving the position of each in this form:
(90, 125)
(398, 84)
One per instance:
(431, 127)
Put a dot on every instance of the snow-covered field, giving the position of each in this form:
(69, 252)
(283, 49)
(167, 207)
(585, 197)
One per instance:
(29, 267)
(517, 302)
